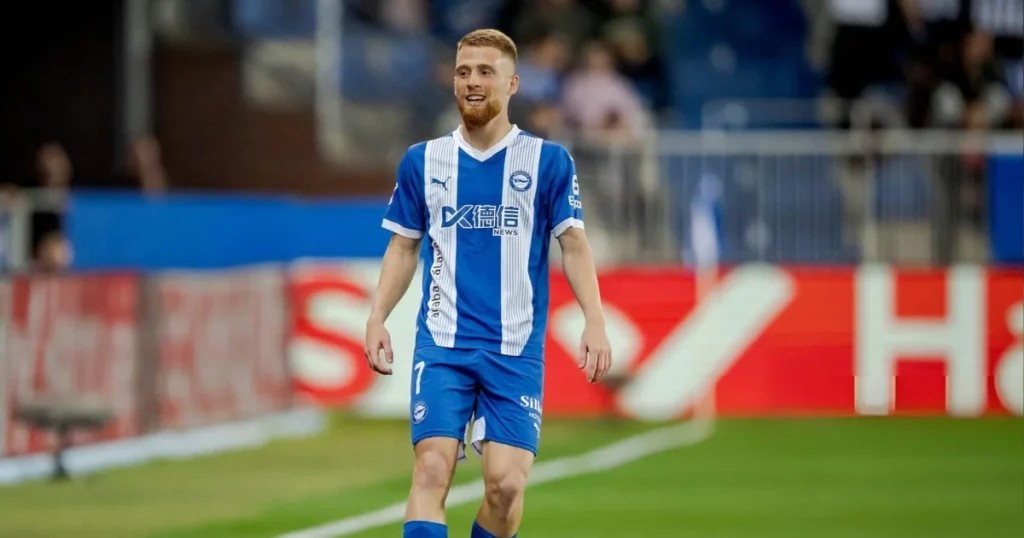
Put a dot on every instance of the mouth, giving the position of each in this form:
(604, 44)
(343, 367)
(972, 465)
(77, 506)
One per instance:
(475, 99)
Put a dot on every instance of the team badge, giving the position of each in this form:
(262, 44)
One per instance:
(419, 412)
(520, 181)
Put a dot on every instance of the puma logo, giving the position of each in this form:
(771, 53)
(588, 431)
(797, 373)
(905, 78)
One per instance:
(435, 181)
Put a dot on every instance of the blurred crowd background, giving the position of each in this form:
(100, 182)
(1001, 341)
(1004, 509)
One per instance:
(319, 98)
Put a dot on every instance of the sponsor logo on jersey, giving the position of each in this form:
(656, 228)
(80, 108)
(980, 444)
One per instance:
(436, 269)
(435, 181)
(530, 402)
(574, 198)
(501, 219)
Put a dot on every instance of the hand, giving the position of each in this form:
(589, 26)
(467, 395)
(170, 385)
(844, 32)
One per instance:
(595, 352)
(377, 338)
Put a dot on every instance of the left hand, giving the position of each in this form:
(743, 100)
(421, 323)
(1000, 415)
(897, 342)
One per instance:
(595, 356)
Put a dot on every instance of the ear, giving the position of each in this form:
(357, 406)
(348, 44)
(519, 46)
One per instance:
(513, 85)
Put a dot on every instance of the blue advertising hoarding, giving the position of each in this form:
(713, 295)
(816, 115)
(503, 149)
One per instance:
(128, 230)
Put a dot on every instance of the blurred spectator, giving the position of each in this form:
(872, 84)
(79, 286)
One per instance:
(53, 254)
(53, 166)
(603, 110)
(8, 193)
(936, 32)
(398, 16)
(636, 38)
(863, 58)
(600, 102)
(541, 69)
(541, 66)
(144, 167)
(145, 163)
(55, 172)
(409, 16)
(529, 18)
(545, 119)
(985, 98)
(451, 19)
(995, 49)
(924, 63)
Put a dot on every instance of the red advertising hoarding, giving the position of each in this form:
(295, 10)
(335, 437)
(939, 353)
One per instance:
(762, 341)
(68, 338)
(195, 349)
(221, 341)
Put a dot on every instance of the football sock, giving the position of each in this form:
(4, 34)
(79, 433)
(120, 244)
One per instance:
(480, 532)
(424, 529)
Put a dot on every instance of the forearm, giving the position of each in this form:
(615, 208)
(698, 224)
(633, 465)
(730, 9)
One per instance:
(580, 270)
(397, 269)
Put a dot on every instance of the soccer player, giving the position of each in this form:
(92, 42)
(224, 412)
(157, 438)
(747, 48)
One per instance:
(487, 198)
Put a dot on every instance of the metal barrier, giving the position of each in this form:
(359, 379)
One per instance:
(17, 210)
(824, 197)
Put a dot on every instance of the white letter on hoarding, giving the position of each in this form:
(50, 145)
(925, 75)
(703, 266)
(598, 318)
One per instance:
(881, 339)
(389, 395)
(1010, 368)
(693, 357)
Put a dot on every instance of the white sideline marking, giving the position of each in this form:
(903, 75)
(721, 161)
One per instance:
(170, 444)
(608, 457)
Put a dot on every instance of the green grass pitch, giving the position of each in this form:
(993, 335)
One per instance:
(821, 478)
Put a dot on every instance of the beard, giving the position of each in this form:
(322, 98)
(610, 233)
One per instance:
(478, 116)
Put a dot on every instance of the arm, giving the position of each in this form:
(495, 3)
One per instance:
(406, 219)
(565, 212)
(397, 269)
(578, 263)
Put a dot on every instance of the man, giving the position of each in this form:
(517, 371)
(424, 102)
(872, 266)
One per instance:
(488, 198)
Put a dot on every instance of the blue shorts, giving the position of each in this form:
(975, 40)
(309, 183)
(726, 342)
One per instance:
(487, 395)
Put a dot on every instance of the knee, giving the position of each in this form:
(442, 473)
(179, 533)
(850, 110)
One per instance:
(432, 471)
(504, 489)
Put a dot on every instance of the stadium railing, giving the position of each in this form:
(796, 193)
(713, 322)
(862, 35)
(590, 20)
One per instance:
(16, 222)
(823, 197)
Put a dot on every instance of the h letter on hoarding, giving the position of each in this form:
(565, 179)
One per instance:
(882, 340)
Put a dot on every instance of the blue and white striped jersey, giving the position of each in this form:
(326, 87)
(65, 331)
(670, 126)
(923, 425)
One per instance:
(489, 217)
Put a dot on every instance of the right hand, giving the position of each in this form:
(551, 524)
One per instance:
(377, 339)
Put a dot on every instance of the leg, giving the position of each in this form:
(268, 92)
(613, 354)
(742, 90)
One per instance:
(505, 471)
(431, 479)
(443, 393)
(508, 427)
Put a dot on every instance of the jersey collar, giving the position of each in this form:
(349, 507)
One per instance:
(490, 152)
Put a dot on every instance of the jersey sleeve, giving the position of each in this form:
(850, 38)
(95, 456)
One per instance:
(405, 214)
(565, 209)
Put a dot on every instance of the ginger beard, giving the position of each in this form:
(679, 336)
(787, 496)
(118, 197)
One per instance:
(479, 114)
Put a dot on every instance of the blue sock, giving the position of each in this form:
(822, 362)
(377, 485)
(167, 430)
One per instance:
(480, 532)
(424, 529)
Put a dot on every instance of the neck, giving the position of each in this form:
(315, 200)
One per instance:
(487, 135)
